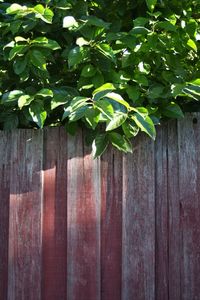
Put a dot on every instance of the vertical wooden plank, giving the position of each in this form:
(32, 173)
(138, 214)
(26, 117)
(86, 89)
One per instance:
(161, 198)
(189, 176)
(138, 236)
(83, 222)
(111, 225)
(54, 269)
(25, 216)
(4, 211)
(174, 213)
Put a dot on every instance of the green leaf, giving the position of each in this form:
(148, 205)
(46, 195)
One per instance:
(17, 50)
(62, 96)
(102, 91)
(46, 43)
(130, 129)
(133, 93)
(24, 100)
(93, 20)
(71, 128)
(88, 71)
(105, 107)
(192, 45)
(145, 124)
(14, 8)
(139, 30)
(78, 114)
(116, 97)
(45, 93)
(39, 9)
(38, 59)
(99, 145)
(19, 65)
(151, 4)
(107, 51)
(76, 56)
(168, 26)
(120, 142)
(172, 110)
(92, 116)
(195, 82)
(43, 13)
(11, 96)
(38, 114)
(117, 120)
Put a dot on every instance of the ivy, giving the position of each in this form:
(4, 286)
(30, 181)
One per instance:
(113, 67)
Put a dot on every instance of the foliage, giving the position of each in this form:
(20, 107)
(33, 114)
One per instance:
(115, 67)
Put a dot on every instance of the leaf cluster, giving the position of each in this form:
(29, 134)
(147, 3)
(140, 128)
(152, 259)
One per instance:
(114, 67)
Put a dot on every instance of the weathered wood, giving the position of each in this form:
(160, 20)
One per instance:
(161, 213)
(24, 277)
(189, 176)
(4, 211)
(126, 227)
(174, 233)
(138, 235)
(83, 223)
(111, 225)
(55, 215)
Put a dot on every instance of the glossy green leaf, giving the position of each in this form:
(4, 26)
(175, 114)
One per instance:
(24, 100)
(130, 129)
(117, 120)
(38, 60)
(102, 91)
(145, 124)
(99, 145)
(120, 142)
(151, 4)
(105, 107)
(172, 110)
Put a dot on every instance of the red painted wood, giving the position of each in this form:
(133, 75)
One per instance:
(25, 216)
(174, 230)
(4, 211)
(54, 267)
(189, 176)
(161, 209)
(83, 223)
(111, 225)
(138, 235)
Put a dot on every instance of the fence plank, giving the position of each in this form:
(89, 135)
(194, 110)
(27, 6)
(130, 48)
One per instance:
(25, 216)
(111, 225)
(4, 211)
(174, 231)
(83, 223)
(55, 215)
(161, 209)
(189, 150)
(138, 250)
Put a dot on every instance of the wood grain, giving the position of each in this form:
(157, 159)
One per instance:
(123, 227)
(111, 225)
(161, 213)
(55, 215)
(138, 235)
(189, 175)
(174, 230)
(4, 211)
(24, 277)
(83, 223)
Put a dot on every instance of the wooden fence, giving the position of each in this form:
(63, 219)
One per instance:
(126, 227)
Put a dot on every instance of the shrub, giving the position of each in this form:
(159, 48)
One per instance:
(114, 67)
